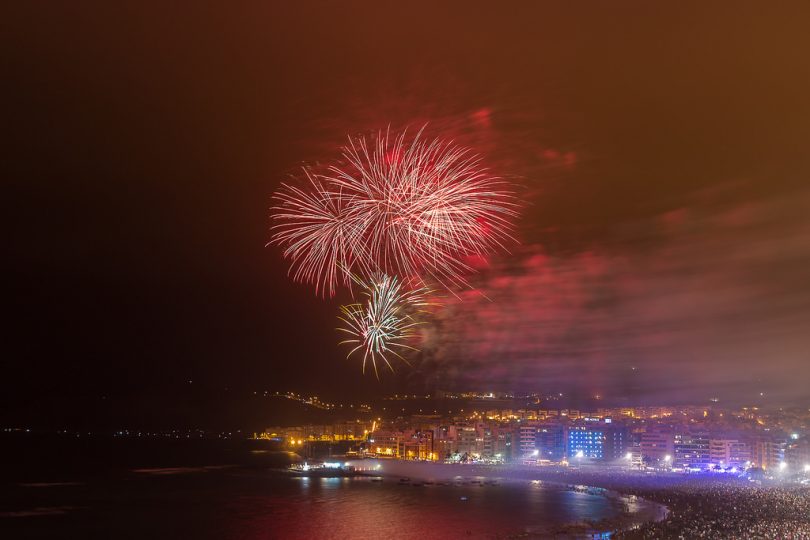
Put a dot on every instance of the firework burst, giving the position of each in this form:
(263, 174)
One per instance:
(386, 323)
(396, 207)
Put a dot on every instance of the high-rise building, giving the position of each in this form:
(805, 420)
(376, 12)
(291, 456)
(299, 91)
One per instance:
(466, 440)
(503, 444)
(617, 442)
(528, 439)
(767, 453)
(444, 443)
(485, 433)
(600, 442)
(584, 442)
(656, 444)
(692, 450)
(729, 453)
(550, 441)
(635, 448)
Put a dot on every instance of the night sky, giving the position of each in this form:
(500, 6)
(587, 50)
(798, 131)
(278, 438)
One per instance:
(662, 154)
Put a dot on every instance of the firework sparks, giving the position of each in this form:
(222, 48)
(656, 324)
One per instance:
(386, 323)
(397, 207)
(317, 233)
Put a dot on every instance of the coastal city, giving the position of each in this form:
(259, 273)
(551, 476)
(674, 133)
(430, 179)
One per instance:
(452, 270)
(683, 438)
(715, 472)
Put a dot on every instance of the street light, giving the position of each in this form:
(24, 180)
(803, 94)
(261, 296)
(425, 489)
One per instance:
(782, 466)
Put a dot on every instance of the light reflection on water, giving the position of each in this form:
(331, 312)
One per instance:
(350, 507)
(257, 504)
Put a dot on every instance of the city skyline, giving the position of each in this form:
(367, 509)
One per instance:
(431, 269)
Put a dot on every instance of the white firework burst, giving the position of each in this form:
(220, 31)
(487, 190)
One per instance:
(386, 323)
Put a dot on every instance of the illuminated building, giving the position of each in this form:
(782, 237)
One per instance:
(635, 450)
(729, 453)
(692, 450)
(502, 444)
(585, 442)
(600, 442)
(386, 443)
(418, 445)
(767, 453)
(485, 436)
(655, 444)
(551, 442)
(466, 439)
(527, 439)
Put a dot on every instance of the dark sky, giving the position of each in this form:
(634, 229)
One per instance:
(662, 152)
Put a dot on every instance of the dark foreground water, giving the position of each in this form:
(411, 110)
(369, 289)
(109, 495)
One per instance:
(144, 490)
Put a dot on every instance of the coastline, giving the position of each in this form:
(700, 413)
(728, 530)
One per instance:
(633, 511)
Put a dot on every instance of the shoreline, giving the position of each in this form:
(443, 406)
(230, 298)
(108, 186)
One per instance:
(633, 512)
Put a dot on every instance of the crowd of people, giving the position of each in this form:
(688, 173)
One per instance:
(713, 509)
(703, 506)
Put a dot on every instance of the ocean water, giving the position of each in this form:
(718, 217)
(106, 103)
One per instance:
(237, 492)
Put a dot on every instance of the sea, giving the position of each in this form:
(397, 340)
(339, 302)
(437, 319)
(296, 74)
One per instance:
(186, 488)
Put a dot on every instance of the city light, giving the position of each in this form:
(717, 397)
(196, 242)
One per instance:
(545, 437)
(607, 229)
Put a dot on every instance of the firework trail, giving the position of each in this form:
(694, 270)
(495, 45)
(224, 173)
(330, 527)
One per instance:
(396, 207)
(386, 323)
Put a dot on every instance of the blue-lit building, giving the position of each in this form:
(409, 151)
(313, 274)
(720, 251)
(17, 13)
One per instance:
(585, 442)
(599, 442)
